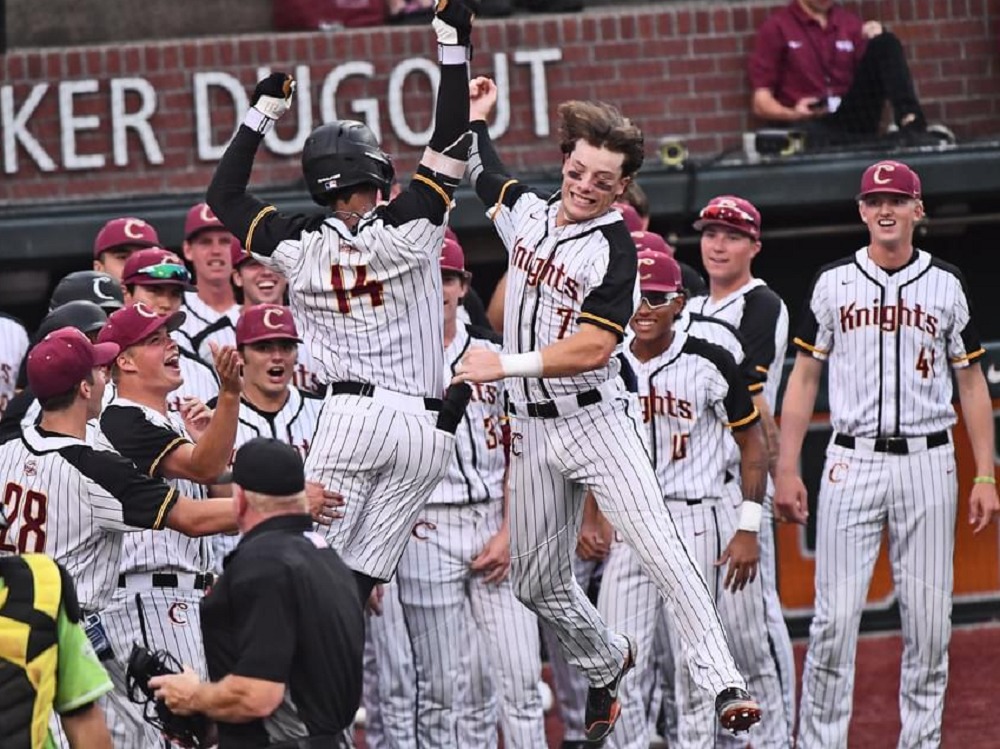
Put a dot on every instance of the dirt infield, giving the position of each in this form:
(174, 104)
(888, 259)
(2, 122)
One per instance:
(969, 721)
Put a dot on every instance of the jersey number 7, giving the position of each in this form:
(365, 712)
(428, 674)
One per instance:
(361, 287)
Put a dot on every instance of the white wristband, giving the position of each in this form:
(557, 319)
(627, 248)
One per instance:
(453, 54)
(522, 365)
(750, 515)
(258, 121)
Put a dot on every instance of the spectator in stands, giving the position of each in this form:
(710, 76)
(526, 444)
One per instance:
(818, 66)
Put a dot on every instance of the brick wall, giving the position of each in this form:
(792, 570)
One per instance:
(677, 69)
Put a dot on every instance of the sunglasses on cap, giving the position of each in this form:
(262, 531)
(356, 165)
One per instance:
(165, 271)
(727, 214)
(658, 299)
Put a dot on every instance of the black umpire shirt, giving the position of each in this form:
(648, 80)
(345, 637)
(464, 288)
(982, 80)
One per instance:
(286, 609)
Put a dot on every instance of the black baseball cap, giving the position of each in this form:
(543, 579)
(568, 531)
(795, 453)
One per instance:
(91, 285)
(269, 466)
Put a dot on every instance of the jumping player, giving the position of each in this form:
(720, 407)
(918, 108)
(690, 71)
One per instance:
(895, 325)
(571, 290)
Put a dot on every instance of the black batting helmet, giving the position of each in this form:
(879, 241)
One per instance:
(81, 314)
(94, 286)
(343, 154)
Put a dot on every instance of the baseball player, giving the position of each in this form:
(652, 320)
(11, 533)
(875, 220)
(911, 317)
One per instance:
(895, 325)
(692, 392)
(117, 239)
(571, 290)
(13, 347)
(270, 405)
(730, 240)
(211, 307)
(95, 286)
(365, 289)
(459, 554)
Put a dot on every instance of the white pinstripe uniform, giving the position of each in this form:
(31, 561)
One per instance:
(169, 613)
(891, 340)
(294, 423)
(202, 323)
(13, 347)
(560, 276)
(761, 318)
(199, 380)
(436, 585)
(692, 394)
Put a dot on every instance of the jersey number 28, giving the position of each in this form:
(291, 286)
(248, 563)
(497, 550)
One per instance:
(32, 507)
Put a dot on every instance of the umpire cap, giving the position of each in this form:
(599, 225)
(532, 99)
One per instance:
(91, 285)
(343, 154)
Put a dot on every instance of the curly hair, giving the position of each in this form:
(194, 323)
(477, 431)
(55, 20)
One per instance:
(601, 125)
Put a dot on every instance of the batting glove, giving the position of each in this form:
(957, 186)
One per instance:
(453, 21)
(272, 97)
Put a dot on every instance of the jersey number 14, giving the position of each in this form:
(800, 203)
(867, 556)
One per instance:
(361, 287)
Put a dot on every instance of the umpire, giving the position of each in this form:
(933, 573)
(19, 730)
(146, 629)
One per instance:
(283, 626)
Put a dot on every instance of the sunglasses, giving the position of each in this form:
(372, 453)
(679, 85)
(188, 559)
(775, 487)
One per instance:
(165, 271)
(727, 214)
(658, 299)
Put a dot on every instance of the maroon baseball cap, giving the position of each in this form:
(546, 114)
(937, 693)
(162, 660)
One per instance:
(199, 218)
(452, 256)
(156, 266)
(658, 271)
(63, 359)
(125, 232)
(647, 240)
(890, 176)
(631, 217)
(732, 212)
(237, 253)
(135, 323)
(449, 233)
(266, 322)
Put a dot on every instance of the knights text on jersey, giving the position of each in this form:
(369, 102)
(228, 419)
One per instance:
(146, 437)
(13, 347)
(558, 278)
(476, 471)
(891, 340)
(691, 394)
(761, 318)
(67, 500)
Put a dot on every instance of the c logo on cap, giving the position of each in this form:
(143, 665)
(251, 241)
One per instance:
(205, 213)
(97, 288)
(131, 230)
(266, 318)
(143, 310)
(877, 177)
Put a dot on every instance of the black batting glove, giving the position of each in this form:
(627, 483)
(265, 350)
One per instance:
(453, 21)
(272, 97)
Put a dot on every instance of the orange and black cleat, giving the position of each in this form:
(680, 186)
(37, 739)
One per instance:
(603, 707)
(736, 709)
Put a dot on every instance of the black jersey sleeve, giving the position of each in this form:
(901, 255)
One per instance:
(610, 304)
(146, 502)
(740, 409)
(138, 439)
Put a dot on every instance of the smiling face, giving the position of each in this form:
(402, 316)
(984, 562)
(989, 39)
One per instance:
(155, 362)
(260, 284)
(727, 254)
(268, 366)
(653, 325)
(592, 182)
(209, 252)
(890, 218)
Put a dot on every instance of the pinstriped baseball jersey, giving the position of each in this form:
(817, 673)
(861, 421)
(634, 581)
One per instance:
(761, 318)
(199, 381)
(72, 502)
(559, 277)
(690, 395)
(890, 339)
(476, 472)
(145, 437)
(202, 322)
(13, 347)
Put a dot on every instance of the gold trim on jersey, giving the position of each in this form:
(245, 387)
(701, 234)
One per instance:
(756, 387)
(745, 420)
(503, 191)
(253, 225)
(969, 357)
(603, 321)
(163, 453)
(434, 186)
(161, 514)
(799, 342)
(762, 370)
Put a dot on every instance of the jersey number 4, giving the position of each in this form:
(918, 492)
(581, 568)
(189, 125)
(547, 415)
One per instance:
(31, 508)
(925, 362)
(362, 287)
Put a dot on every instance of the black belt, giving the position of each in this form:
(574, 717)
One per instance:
(202, 580)
(367, 390)
(329, 741)
(894, 445)
(549, 410)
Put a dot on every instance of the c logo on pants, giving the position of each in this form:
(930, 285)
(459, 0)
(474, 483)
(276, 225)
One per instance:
(837, 473)
(515, 444)
(176, 613)
(418, 531)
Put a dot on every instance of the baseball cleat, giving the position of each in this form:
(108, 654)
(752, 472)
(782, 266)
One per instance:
(603, 707)
(736, 709)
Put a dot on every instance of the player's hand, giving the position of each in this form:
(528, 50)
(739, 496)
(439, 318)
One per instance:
(871, 29)
(482, 98)
(228, 367)
(809, 108)
(593, 542)
(790, 499)
(983, 506)
(453, 21)
(323, 503)
(272, 96)
(196, 416)
(479, 365)
(177, 690)
(493, 562)
(742, 553)
(374, 603)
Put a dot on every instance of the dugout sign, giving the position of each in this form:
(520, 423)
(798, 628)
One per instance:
(977, 558)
